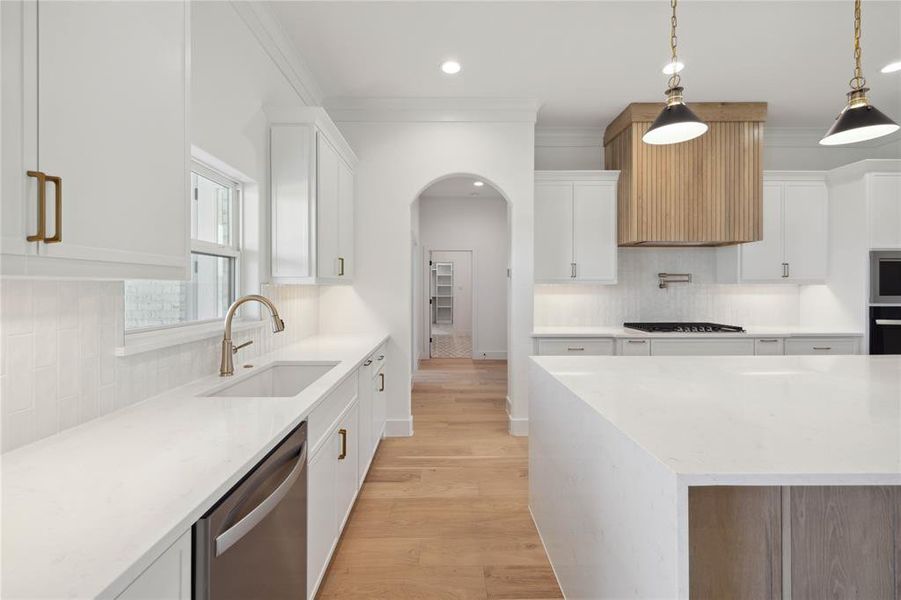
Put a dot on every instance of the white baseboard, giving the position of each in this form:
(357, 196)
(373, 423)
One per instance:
(490, 355)
(399, 427)
(517, 427)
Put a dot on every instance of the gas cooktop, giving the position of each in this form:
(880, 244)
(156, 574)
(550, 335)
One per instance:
(687, 327)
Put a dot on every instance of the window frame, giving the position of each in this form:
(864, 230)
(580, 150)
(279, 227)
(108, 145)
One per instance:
(233, 251)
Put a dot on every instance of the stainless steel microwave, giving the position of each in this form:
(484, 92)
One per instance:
(885, 277)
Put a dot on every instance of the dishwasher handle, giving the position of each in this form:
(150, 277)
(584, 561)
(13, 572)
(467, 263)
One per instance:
(233, 534)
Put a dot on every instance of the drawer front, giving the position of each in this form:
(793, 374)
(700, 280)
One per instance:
(324, 416)
(822, 346)
(769, 346)
(693, 347)
(575, 347)
(633, 347)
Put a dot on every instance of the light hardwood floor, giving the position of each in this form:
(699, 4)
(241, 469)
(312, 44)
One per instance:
(444, 514)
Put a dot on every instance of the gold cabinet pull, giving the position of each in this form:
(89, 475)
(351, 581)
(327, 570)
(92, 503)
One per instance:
(42, 209)
(340, 266)
(381, 382)
(343, 434)
(58, 211)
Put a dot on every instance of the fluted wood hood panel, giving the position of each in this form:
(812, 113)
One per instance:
(704, 192)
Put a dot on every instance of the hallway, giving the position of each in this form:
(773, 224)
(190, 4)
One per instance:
(444, 514)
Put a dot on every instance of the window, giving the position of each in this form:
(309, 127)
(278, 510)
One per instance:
(215, 261)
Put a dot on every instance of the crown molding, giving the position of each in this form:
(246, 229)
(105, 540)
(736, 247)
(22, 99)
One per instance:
(858, 169)
(275, 42)
(596, 176)
(809, 137)
(433, 110)
(569, 137)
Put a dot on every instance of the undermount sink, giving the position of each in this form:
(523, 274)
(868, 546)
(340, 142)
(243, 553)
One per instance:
(278, 380)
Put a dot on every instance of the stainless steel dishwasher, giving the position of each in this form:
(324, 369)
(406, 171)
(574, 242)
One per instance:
(253, 543)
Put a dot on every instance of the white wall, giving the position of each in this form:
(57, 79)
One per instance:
(638, 298)
(480, 225)
(397, 162)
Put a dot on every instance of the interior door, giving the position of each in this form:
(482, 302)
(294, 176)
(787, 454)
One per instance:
(805, 206)
(327, 208)
(762, 261)
(553, 231)
(113, 77)
(594, 232)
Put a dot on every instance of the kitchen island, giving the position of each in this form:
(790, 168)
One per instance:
(678, 477)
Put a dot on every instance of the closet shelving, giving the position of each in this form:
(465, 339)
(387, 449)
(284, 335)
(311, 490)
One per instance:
(443, 292)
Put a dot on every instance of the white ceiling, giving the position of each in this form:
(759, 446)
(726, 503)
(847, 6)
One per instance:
(586, 60)
(460, 187)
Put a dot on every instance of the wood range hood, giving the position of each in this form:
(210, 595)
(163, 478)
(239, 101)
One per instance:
(704, 192)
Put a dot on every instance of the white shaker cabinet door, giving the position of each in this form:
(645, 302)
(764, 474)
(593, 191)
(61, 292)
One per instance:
(345, 221)
(112, 109)
(347, 467)
(553, 232)
(327, 208)
(322, 527)
(291, 192)
(594, 232)
(762, 261)
(169, 577)
(805, 216)
(884, 191)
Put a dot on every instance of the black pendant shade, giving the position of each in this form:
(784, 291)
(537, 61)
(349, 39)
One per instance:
(675, 123)
(859, 123)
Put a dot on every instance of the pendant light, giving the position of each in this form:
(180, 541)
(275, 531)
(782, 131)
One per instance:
(859, 120)
(676, 122)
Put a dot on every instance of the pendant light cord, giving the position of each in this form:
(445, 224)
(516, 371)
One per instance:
(857, 82)
(675, 79)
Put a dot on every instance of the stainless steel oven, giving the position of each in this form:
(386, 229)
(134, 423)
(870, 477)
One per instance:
(253, 543)
(885, 277)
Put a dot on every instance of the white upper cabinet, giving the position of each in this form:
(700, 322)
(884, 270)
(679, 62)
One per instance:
(575, 226)
(312, 197)
(884, 199)
(794, 248)
(95, 123)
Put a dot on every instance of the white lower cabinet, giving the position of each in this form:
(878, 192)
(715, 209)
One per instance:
(322, 525)
(693, 347)
(822, 346)
(344, 432)
(744, 346)
(633, 347)
(769, 346)
(576, 347)
(168, 577)
(347, 480)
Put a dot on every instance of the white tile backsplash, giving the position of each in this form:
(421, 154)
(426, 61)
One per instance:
(58, 367)
(637, 298)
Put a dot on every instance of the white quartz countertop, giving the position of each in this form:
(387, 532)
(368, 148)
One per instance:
(766, 420)
(624, 332)
(85, 511)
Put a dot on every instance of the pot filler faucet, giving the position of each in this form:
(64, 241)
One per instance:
(226, 366)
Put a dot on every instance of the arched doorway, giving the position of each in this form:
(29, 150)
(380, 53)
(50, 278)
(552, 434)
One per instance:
(460, 253)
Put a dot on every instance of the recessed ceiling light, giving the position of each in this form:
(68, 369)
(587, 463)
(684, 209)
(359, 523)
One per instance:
(478, 183)
(672, 67)
(892, 67)
(451, 67)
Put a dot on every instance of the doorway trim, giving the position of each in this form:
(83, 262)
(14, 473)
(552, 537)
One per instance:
(427, 313)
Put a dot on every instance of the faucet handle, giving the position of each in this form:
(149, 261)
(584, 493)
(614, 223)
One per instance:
(239, 346)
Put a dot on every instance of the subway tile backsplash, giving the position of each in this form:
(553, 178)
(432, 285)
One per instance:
(58, 367)
(637, 298)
